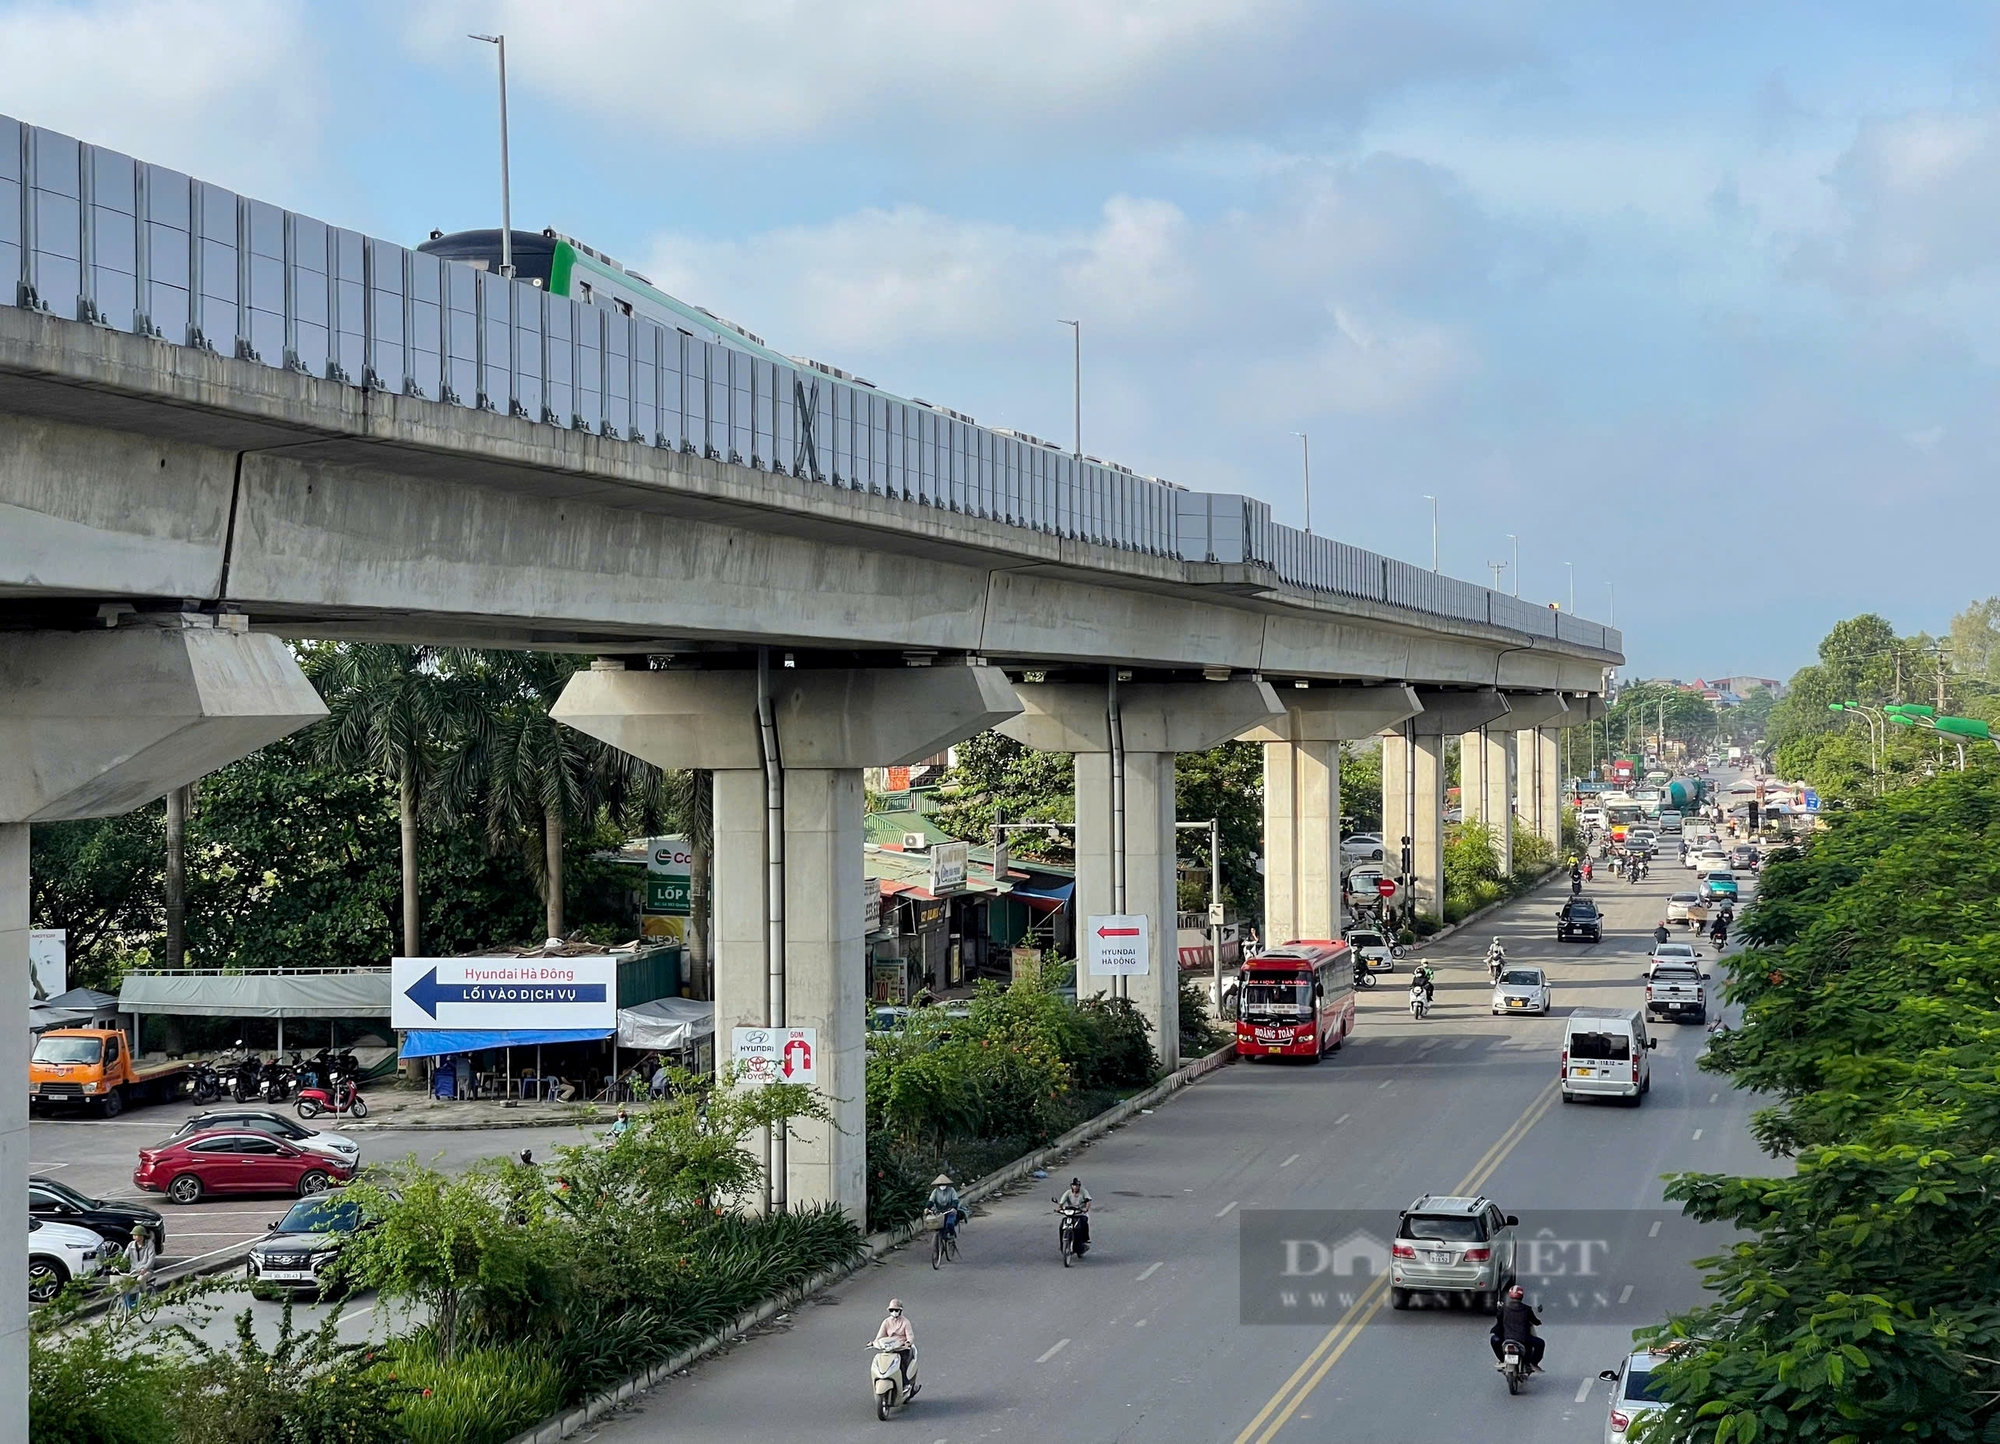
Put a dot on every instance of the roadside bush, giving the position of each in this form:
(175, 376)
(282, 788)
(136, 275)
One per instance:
(91, 1386)
(1115, 1053)
(307, 1388)
(484, 1396)
(1201, 1034)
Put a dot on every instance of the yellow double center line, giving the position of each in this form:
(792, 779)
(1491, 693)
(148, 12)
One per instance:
(1295, 1390)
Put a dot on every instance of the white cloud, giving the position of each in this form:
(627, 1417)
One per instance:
(1921, 193)
(229, 90)
(763, 70)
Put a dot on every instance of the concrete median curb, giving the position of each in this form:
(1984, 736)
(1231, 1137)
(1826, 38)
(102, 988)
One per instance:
(875, 1246)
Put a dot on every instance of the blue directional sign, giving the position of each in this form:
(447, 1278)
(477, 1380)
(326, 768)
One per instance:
(531, 992)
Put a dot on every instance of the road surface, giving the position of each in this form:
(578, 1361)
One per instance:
(1145, 1339)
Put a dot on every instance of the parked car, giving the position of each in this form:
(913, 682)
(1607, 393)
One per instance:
(105, 1217)
(1633, 1396)
(60, 1252)
(291, 1257)
(1579, 918)
(1521, 990)
(279, 1125)
(236, 1161)
(1449, 1244)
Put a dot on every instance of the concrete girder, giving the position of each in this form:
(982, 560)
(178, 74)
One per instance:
(97, 723)
(93, 724)
(841, 717)
(1448, 714)
(1337, 714)
(1528, 710)
(400, 536)
(1154, 716)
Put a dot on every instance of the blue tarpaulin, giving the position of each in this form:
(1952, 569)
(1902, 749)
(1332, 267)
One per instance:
(436, 1042)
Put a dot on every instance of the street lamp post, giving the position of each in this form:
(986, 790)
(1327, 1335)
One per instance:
(506, 196)
(1306, 458)
(1076, 331)
(1434, 529)
(1612, 588)
(1517, 562)
(1572, 587)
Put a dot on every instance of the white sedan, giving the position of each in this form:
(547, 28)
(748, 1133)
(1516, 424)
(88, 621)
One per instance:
(1521, 990)
(60, 1252)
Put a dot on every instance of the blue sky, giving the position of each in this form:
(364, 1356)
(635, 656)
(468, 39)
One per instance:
(1701, 298)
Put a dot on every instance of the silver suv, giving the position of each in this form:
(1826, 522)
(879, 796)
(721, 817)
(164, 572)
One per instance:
(1446, 1244)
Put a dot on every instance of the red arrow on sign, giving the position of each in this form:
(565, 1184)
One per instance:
(1118, 932)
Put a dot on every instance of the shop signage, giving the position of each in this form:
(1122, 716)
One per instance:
(1118, 945)
(669, 877)
(532, 992)
(776, 1055)
(947, 867)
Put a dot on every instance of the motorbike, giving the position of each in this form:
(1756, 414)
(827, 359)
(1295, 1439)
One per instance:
(892, 1389)
(1513, 1366)
(245, 1077)
(1363, 978)
(275, 1082)
(1496, 959)
(1066, 1231)
(1420, 1002)
(341, 1095)
(204, 1083)
(1576, 885)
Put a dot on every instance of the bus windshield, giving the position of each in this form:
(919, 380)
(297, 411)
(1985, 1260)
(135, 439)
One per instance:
(1276, 993)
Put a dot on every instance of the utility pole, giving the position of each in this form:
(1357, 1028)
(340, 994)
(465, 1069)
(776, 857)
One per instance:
(506, 197)
(1517, 562)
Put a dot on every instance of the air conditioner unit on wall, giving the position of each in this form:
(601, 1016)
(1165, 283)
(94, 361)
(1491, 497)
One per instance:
(915, 842)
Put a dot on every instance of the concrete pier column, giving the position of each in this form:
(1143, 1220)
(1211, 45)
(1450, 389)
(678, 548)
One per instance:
(1548, 784)
(1302, 864)
(1158, 721)
(1528, 714)
(1413, 789)
(1486, 787)
(93, 724)
(830, 725)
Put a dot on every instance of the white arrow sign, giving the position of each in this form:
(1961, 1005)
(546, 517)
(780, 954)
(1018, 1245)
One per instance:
(1119, 944)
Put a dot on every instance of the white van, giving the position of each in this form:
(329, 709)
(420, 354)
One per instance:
(1606, 1054)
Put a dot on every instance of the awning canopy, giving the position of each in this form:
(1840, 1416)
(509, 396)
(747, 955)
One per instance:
(666, 1023)
(258, 995)
(437, 1042)
(1050, 894)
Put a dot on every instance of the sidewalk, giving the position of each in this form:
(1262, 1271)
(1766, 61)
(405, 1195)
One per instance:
(407, 1109)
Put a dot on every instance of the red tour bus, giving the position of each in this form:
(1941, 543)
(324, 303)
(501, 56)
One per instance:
(1296, 1001)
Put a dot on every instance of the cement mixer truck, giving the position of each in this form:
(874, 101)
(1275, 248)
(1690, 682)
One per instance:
(1684, 794)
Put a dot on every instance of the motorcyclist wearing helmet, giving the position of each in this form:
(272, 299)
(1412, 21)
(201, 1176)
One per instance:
(1076, 1199)
(1425, 976)
(896, 1329)
(1514, 1323)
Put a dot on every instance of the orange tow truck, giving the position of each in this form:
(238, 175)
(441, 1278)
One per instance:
(95, 1066)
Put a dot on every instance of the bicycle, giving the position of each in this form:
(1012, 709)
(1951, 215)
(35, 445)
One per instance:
(944, 1243)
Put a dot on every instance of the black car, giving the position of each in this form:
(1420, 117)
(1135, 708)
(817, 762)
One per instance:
(1579, 918)
(103, 1216)
(299, 1246)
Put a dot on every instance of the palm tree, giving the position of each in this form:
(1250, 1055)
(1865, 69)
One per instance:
(530, 776)
(387, 708)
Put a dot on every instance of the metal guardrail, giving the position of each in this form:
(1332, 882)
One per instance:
(93, 235)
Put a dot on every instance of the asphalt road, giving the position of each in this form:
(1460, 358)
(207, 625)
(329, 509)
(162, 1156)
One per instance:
(1146, 1338)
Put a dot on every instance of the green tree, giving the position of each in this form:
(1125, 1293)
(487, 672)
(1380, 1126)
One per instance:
(1361, 784)
(387, 710)
(1975, 641)
(1226, 783)
(996, 779)
(1858, 1301)
(100, 881)
(529, 777)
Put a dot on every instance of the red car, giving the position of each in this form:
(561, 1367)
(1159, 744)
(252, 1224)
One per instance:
(229, 1160)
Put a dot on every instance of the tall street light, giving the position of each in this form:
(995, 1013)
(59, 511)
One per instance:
(1517, 562)
(1076, 329)
(1612, 588)
(1434, 529)
(1306, 457)
(506, 197)
(1572, 587)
